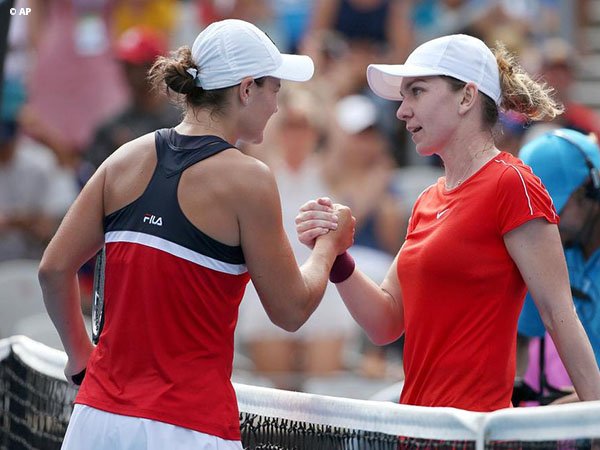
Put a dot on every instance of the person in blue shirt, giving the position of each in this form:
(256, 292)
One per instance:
(568, 163)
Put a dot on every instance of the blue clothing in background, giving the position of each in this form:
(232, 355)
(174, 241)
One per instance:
(585, 279)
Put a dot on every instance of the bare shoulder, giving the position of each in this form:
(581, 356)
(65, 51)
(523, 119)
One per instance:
(235, 172)
(128, 171)
(233, 187)
(255, 180)
(133, 151)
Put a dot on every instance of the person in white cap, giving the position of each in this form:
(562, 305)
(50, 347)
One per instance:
(477, 240)
(185, 220)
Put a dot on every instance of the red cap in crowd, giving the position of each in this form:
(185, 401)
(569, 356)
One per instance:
(140, 45)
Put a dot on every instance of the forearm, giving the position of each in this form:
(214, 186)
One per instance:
(577, 356)
(315, 276)
(374, 309)
(61, 298)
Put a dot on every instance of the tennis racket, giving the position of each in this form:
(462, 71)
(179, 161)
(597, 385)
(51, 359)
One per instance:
(98, 293)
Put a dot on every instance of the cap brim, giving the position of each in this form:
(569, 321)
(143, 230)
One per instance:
(385, 79)
(295, 68)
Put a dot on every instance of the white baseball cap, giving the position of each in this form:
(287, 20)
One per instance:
(230, 50)
(460, 56)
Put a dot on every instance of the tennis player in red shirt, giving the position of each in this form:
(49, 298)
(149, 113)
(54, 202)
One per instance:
(477, 239)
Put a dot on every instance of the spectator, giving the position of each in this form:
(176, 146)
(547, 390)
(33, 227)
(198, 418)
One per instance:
(360, 170)
(35, 192)
(361, 174)
(568, 163)
(147, 110)
(558, 67)
(75, 81)
(382, 25)
(317, 349)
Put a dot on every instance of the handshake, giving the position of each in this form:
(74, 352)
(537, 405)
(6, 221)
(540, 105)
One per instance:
(317, 218)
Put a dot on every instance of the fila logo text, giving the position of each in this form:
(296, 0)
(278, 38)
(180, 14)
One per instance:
(152, 220)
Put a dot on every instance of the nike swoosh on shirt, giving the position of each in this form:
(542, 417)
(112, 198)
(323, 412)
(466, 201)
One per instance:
(441, 213)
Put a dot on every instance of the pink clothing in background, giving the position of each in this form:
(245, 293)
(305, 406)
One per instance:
(76, 83)
(556, 374)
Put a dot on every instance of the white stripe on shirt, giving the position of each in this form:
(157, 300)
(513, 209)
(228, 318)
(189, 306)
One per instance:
(174, 249)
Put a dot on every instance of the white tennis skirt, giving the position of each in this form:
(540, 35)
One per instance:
(93, 429)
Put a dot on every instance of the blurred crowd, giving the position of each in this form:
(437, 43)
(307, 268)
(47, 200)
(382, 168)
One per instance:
(75, 90)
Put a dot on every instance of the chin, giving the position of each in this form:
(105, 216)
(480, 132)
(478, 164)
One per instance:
(425, 151)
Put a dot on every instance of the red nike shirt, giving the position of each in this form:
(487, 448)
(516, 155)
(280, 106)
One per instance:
(462, 292)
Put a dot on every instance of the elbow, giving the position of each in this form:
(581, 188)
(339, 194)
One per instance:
(289, 320)
(380, 340)
(554, 320)
(290, 327)
(290, 323)
(49, 272)
(383, 336)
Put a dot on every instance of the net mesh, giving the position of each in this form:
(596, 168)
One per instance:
(36, 403)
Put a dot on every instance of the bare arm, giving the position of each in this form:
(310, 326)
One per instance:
(78, 238)
(289, 294)
(536, 249)
(399, 29)
(377, 309)
(323, 15)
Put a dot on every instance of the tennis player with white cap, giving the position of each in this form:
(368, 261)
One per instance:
(186, 220)
(476, 241)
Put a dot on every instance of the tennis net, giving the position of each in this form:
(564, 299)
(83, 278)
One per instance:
(35, 405)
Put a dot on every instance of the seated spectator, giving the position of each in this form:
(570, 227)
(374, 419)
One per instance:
(360, 172)
(136, 50)
(75, 83)
(383, 25)
(35, 192)
(317, 349)
(568, 164)
(558, 68)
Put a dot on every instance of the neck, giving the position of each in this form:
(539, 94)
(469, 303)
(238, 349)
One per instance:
(202, 122)
(460, 163)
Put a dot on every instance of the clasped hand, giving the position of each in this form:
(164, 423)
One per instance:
(317, 218)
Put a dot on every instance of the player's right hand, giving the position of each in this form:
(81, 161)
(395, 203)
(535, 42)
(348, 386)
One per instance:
(315, 218)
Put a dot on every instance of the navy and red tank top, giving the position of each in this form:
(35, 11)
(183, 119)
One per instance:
(171, 300)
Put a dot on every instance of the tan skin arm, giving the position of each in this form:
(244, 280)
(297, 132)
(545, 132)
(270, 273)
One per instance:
(323, 15)
(536, 249)
(377, 309)
(289, 294)
(78, 239)
(399, 29)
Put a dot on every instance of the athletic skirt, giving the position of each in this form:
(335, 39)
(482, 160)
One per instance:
(93, 429)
